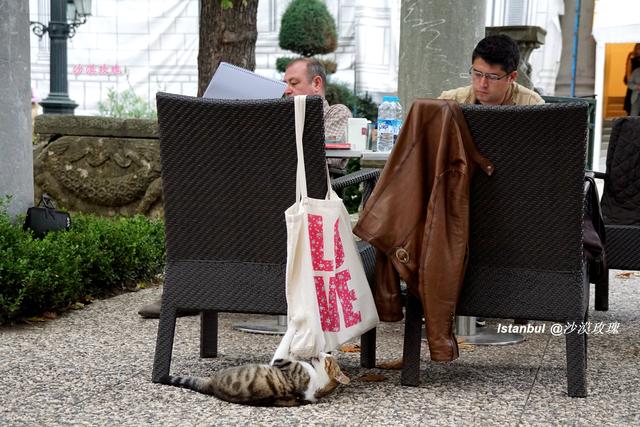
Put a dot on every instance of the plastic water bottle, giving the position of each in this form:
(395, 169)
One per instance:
(389, 122)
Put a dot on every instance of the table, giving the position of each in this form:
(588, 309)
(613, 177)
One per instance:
(344, 154)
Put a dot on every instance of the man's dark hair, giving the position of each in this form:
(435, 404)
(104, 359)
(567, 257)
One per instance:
(314, 68)
(498, 49)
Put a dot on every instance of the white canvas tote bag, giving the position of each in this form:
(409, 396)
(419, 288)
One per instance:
(328, 297)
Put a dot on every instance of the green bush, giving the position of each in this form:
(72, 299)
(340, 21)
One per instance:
(308, 28)
(95, 257)
(360, 105)
(340, 93)
(125, 105)
(283, 62)
(352, 195)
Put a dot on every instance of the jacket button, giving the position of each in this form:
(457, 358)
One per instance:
(402, 255)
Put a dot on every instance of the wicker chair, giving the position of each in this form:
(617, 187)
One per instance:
(525, 249)
(228, 171)
(621, 195)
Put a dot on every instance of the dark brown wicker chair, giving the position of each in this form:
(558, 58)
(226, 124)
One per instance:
(621, 201)
(228, 170)
(525, 249)
(621, 195)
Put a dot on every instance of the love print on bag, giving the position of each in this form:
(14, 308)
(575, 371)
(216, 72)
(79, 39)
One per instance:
(338, 283)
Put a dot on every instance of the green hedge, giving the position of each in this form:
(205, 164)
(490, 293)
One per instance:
(95, 257)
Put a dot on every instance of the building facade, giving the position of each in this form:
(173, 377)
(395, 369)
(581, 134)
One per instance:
(150, 45)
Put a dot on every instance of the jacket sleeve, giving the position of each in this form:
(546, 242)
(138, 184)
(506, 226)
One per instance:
(392, 217)
(387, 293)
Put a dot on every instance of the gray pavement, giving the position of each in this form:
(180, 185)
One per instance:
(93, 367)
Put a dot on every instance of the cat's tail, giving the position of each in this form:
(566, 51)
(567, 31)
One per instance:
(201, 385)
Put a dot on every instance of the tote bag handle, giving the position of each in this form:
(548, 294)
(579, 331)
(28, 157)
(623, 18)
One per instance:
(300, 108)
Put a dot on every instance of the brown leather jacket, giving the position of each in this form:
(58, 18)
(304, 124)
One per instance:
(418, 218)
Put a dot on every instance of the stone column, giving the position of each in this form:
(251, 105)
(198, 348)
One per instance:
(437, 38)
(528, 38)
(586, 65)
(16, 152)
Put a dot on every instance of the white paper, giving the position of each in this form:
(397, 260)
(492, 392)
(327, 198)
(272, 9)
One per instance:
(231, 82)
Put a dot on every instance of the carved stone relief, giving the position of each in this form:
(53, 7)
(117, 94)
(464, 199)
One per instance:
(103, 175)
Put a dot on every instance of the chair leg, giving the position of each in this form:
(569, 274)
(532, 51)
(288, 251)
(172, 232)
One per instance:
(164, 344)
(576, 364)
(412, 342)
(368, 349)
(209, 334)
(602, 294)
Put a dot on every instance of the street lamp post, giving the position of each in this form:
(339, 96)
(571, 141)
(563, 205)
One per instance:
(66, 16)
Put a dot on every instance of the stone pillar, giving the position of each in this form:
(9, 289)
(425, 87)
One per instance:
(16, 158)
(586, 65)
(437, 38)
(528, 38)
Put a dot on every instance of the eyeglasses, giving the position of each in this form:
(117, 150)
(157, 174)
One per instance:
(478, 75)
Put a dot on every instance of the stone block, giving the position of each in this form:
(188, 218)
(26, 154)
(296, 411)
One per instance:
(95, 126)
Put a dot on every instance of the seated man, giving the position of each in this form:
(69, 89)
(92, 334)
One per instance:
(304, 76)
(494, 64)
(493, 76)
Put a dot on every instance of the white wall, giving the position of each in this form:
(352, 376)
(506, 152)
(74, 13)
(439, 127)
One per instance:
(146, 45)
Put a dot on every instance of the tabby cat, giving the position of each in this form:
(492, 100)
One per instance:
(283, 383)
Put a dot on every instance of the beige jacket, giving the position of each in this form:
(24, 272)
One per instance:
(520, 95)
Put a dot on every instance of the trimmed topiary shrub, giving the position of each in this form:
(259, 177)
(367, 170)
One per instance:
(97, 256)
(308, 28)
(330, 67)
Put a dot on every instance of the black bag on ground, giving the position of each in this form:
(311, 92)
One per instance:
(45, 218)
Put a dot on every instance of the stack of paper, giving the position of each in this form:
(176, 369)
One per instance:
(231, 82)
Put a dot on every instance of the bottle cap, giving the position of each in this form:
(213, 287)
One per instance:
(389, 98)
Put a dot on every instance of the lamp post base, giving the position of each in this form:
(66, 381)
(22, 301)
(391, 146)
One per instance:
(58, 104)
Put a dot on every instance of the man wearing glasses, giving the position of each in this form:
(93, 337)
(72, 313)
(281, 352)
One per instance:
(493, 82)
(493, 76)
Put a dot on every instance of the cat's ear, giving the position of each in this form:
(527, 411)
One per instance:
(341, 377)
(336, 373)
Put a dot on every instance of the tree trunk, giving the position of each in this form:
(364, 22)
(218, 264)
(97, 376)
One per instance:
(226, 35)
